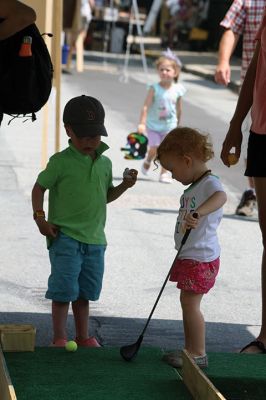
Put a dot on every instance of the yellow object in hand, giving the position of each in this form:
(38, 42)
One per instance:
(232, 159)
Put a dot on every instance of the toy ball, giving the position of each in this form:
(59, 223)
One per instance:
(71, 346)
(232, 159)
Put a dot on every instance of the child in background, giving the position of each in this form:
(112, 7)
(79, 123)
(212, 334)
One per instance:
(162, 108)
(184, 152)
(79, 180)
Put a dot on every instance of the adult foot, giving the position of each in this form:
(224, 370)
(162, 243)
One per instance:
(255, 347)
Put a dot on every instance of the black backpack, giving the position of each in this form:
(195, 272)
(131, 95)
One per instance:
(25, 82)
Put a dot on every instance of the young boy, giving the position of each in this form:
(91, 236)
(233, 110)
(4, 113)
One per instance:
(79, 180)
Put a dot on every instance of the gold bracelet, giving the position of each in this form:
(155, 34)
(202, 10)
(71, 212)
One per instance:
(38, 214)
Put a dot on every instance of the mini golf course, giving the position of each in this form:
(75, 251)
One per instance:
(101, 374)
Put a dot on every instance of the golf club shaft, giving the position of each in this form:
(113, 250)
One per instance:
(184, 239)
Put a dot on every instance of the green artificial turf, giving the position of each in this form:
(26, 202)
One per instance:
(98, 374)
(238, 376)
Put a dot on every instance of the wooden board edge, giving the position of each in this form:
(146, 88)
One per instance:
(7, 391)
(197, 382)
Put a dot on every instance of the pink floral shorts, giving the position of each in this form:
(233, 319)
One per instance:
(195, 276)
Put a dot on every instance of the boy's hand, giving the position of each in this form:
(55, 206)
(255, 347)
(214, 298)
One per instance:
(130, 177)
(46, 228)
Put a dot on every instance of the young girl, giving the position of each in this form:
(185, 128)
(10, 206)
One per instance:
(162, 108)
(184, 152)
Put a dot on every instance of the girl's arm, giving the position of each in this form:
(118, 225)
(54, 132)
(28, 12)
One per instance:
(213, 203)
(37, 198)
(178, 110)
(144, 111)
(244, 103)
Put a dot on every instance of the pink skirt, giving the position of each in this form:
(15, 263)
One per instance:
(195, 276)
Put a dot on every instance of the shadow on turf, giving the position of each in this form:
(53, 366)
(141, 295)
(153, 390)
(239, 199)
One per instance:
(116, 332)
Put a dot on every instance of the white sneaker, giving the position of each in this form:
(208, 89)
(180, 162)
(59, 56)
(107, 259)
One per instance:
(165, 178)
(145, 170)
(174, 359)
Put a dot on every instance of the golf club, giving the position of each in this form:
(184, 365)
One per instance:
(130, 351)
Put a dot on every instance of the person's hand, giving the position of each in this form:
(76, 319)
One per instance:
(141, 128)
(46, 228)
(191, 220)
(223, 73)
(233, 140)
(130, 177)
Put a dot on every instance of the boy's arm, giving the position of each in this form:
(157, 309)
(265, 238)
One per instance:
(213, 203)
(37, 197)
(144, 111)
(16, 17)
(129, 180)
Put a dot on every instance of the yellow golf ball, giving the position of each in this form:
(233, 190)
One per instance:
(71, 346)
(232, 159)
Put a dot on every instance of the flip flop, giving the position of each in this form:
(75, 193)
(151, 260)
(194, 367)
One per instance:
(255, 343)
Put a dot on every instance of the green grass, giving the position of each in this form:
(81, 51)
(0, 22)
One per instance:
(238, 376)
(98, 374)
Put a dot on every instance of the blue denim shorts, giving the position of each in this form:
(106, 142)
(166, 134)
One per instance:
(76, 270)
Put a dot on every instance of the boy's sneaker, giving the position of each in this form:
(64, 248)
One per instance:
(247, 204)
(175, 359)
(59, 343)
(89, 342)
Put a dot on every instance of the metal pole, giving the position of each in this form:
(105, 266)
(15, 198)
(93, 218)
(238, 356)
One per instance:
(134, 12)
(151, 18)
(139, 30)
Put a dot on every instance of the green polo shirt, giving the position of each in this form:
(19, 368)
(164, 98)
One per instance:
(78, 187)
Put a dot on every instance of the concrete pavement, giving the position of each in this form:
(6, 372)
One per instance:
(138, 224)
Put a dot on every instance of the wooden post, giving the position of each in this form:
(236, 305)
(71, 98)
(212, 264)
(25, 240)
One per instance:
(197, 382)
(57, 21)
(7, 391)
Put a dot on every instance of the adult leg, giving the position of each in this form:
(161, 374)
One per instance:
(260, 186)
(80, 309)
(247, 202)
(59, 315)
(194, 324)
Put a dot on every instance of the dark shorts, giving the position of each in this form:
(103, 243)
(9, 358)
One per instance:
(256, 156)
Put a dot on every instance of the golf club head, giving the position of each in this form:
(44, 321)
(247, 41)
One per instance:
(130, 351)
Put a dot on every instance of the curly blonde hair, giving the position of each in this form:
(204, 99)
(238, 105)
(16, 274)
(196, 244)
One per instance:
(186, 141)
(173, 64)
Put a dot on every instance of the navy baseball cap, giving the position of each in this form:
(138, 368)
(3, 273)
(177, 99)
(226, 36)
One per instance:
(85, 115)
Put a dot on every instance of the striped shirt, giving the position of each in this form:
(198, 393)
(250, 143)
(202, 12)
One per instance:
(244, 18)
